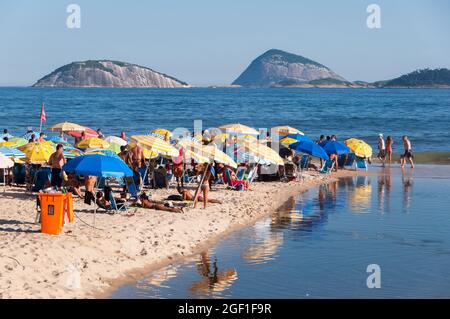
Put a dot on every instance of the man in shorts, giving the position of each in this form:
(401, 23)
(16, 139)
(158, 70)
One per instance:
(381, 149)
(408, 152)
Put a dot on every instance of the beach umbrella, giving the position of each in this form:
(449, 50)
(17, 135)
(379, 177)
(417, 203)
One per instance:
(98, 165)
(37, 153)
(93, 142)
(262, 151)
(148, 154)
(359, 147)
(88, 132)
(239, 129)
(162, 133)
(116, 140)
(198, 158)
(7, 143)
(335, 147)
(18, 141)
(57, 140)
(5, 162)
(285, 130)
(66, 127)
(292, 138)
(249, 157)
(11, 152)
(101, 152)
(210, 151)
(310, 148)
(155, 144)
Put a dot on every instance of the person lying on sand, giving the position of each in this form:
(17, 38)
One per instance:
(187, 195)
(147, 203)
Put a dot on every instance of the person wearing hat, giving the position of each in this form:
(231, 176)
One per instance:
(381, 149)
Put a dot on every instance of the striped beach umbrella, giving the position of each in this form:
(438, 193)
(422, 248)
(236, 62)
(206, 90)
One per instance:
(285, 130)
(11, 152)
(239, 129)
(155, 144)
(66, 127)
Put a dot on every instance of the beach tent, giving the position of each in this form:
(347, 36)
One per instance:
(99, 166)
(310, 148)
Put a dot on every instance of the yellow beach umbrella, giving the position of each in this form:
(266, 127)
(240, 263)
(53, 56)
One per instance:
(288, 140)
(239, 129)
(359, 147)
(93, 142)
(285, 130)
(8, 143)
(66, 127)
(262, 151)
(37, 153)
(188, 155)
(148, 154)
(155, 144)
(210, 151)
(163, 132)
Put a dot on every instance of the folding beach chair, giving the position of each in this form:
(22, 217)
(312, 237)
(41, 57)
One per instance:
(327, 167)
(361, 164)
(251, 176)
(350, 160)
(122, 207)
(240, 173)
(237, 185)
(131, 187)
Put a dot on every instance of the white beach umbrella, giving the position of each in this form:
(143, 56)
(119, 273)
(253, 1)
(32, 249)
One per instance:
(116, 140)
(5, 162)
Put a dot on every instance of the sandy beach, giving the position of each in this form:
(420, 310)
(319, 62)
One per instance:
(84, 262)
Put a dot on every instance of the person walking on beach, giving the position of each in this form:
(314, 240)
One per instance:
(408, 152)
(389, 149)
(56, 162)
(381, 149)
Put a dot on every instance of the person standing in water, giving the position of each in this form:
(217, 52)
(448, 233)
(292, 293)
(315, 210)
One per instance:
(408, 152)
(381, 149)
(389, 150)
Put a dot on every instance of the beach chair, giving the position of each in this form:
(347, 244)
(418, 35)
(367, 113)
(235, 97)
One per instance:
(350, 160)
(240, 173)
(131, 187)
(19, 172)
(123, 207)
(234, 185)
(304, 162)
(290, 171)
(251, 176)
(41, 178)
(361, 164)
(327, 167)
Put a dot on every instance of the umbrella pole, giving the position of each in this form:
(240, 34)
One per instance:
(95, 198)
(197, 191)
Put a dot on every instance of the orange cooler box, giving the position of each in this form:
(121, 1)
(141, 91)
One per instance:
(53, 208)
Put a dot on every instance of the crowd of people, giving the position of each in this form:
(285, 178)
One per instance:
(386, 149)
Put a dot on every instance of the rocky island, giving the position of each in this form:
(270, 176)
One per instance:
(110, 74)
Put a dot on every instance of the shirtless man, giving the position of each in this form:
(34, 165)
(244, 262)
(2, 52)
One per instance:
(408, 152)
(147, 203)
(136, 160)
(56, 162)
(187, 195)
(381, 149)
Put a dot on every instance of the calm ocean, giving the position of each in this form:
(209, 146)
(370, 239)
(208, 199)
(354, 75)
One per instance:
(423, 114)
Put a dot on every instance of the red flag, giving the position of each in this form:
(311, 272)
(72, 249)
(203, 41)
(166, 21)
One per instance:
(43, 118)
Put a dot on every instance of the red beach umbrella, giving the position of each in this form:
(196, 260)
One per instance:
(88, 133)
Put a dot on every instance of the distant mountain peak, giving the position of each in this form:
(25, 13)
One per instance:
(276, 67)
(107, 73)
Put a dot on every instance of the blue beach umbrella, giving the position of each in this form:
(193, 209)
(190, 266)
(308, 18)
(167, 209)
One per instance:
(11, 152)
(334, 147)
(292, 138)
(57, 140)
(98, 165)
(102, 152)
(310, 148)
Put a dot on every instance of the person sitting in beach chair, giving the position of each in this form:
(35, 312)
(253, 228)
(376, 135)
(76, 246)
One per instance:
(229, 177)
(147, 203)
(115, 204)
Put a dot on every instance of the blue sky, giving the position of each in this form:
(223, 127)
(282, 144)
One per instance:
(206, 42)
